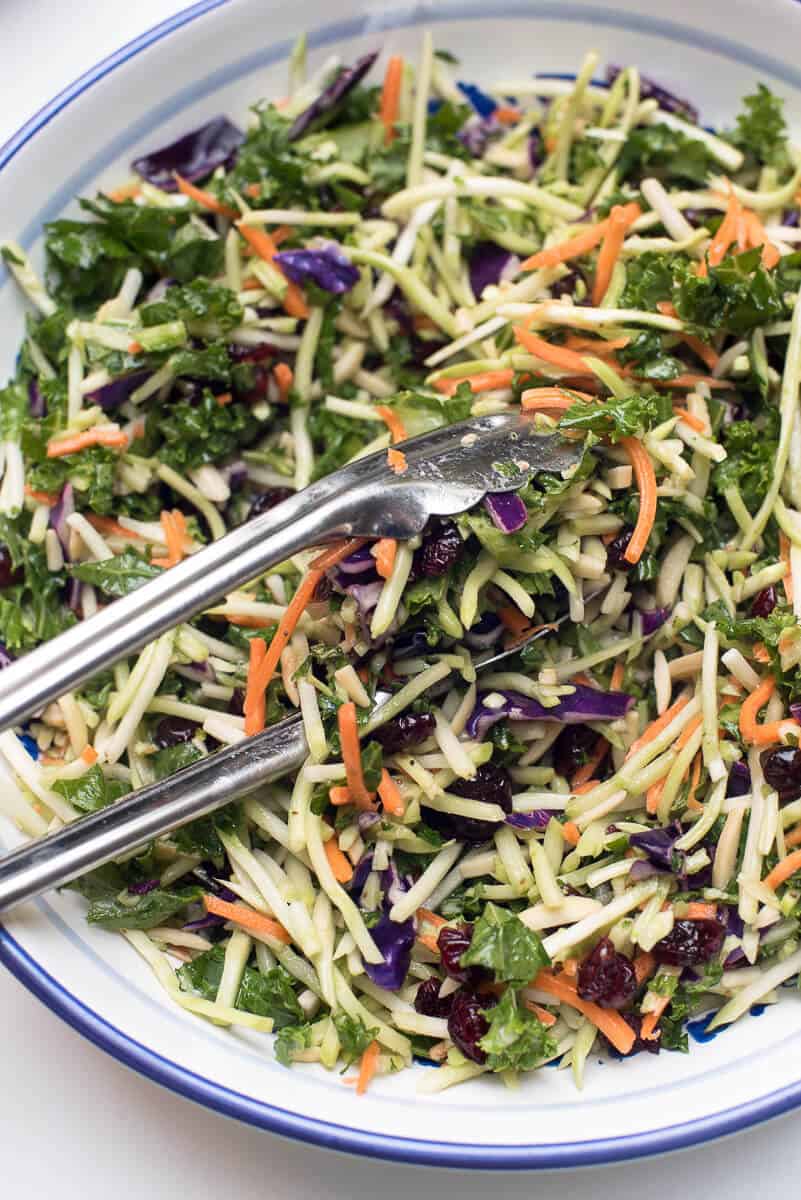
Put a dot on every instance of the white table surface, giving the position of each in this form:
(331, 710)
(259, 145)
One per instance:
(73, 1117)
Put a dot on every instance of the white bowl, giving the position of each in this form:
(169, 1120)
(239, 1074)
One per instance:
(218, 57)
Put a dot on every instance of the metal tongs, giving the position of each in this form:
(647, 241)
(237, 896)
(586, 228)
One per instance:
(447, 472)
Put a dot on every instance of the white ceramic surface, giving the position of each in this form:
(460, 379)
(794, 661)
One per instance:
(218, 57)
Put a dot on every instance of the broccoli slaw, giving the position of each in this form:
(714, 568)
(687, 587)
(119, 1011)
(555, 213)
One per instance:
(491, 871)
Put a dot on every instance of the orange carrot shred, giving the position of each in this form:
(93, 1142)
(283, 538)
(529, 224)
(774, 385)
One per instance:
(587, 770)
(762, 735)
(294, 301)
(115, 439)
(610, 1023)
(794, 837)
(482, 381)
(384, 552)
(644, 965)
(651, 1019)
(284, 377)
(351, 753)
(690, 419)
(337, 861)
(396, 461)
(248, 918)
(48, 498)
(204, 199)
(556, 356)
(620, 217)
(656, 727)
(89, 755)
(255, 705)
(783, 870)
(726, 233)
(390, 795)
(545, 1018)
(367, 1068)
(390, 97)
(574, 247)
(393, 422)
(646, 483)
(698, 910)
(571, 833)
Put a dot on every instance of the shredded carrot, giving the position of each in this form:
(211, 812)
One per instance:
(390, 795)
(690, 419)
(756, 236)
(556, 356)
(390, 97)
(204, 199)
(620, 217)
(248, 918)
(783, 870)
(384, 552)
(339, 796)
(570, 967)
(135, 347)
(784, 554)
(512, 619)
(761, 652)
(570, 832)
(223, 399)
(367, 1068)
(706, 354)
(294, 301)
(393, 422)
(546, 1018)
(48, 498)
(644, 965)
(294, 610)
(618, 673)
(284, 377)
(333, 556)
(429, 942)
(351, 752)
(396, 461)
(793, 838)
(255, 705)
(587, 770)
(430, 918)
(646, 483)
(693, 804)
(610, 1023)
(651, 1019)
(89, 755)
(127, 192)
(656, 727)
(482, 381)
(506, 114)
(762, 735)
(115, 439)
(339, 864)
(697, 910)
(248, 622)
(574, 247)
(600, 347)
(552, 399)
(727, 232)
(253, 190)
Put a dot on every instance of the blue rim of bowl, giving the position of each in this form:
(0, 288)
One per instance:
(325, 1134)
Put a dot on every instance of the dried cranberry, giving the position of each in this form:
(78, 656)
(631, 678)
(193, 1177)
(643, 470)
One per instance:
(172, 731)
(8, 576)
(606, 977)
(236, 705)
(782, 770)
(453, 941)
(429, 1002)
(467, 1023)
(491, 784)
(689, 943)
(617, 548)
(406, 730)
(764, 602)
(439, 552)
(267, 500)
(572, 749)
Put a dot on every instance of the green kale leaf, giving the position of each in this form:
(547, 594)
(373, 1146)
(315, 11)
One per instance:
(503, 944)
(117, 576)
(92, 790)
(516, 1039)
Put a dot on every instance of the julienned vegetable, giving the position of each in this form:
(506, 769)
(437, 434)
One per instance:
(579, 850)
